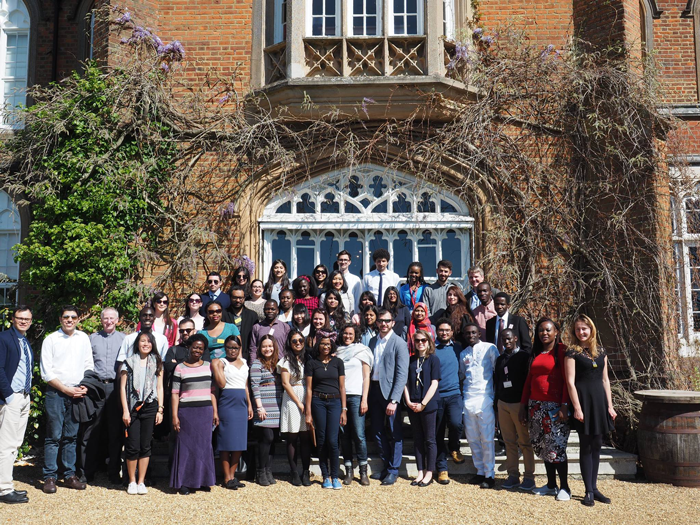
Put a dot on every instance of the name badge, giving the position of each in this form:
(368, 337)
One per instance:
(237, 320)
(221, 341)
(272, 331)
(505, 369)
(507, 384)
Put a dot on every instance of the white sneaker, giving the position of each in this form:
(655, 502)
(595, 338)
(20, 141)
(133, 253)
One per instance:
(545, 491)
(563, 495)
(132, 489)
(142, 489)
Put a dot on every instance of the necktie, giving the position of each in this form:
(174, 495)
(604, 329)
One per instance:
(498, 333)
(379, 299)
(28, 378)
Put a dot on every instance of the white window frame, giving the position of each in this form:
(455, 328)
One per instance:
(421, 18)
(9, 10)
(10, 231)
(365, 223)
(448, 19)
(310, 17)
(349, 30)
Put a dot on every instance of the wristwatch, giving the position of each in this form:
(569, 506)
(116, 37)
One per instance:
(394, 401)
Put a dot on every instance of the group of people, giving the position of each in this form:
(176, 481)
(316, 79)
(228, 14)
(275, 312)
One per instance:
(307, 360)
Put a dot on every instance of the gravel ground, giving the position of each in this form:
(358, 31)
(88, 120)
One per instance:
(634, 502)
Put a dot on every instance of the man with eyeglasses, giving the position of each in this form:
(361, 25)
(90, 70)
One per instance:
(244, 318)
(449, 412)
(105, 349)
(146, 318)
(66, 355)
(353, 281)
(214, 282)
(389, 375)
(16, 366)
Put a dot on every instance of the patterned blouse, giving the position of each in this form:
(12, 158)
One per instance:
(267, 387)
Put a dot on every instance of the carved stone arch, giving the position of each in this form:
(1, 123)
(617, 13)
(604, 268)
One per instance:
(649, 12)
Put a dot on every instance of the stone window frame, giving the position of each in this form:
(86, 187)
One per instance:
(32, 13)
(10, 234)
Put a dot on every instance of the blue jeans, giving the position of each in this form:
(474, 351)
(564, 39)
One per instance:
(386, 429)
(61, 431)
(326, 414)
(449, 415)
(354, 431)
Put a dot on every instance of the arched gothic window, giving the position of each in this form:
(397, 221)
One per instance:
(360, 210)
(10, 225)
(14, 55)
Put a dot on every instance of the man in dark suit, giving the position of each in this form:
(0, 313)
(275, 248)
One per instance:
(242, 317)
(506, 320)
(389, 375)
(16, 366)
(215, 293)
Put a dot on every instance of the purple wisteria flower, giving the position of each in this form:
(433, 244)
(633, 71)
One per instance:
(174, 50)
(228, 210)
(165, 67)
(248, 264)
(478, 32)
(124, 19)
(365, 101)
(488, 40)
(547, 51)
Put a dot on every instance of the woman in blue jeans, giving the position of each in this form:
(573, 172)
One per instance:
(357, 359)
(326, 409)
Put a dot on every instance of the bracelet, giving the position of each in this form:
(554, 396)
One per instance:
(345, 408)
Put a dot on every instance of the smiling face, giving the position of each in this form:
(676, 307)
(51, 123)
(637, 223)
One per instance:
(69, 320)
(443, 273)
(381, 263)
(392, 296)
(337, 282)
(452, 298)
(146, 318)
(331, 302)
(186, 329)
(297, 343)
(161, 305)
(318, 320)
(241, 278)
(109, 320)
(278, 270)
(214, 283)
(298, 318)
(472, 335)
(483, 292)
(267, 348)
(286, 300)
(475, 278)
(256, 289)
(500, 305)
(370, 318)
(214, 313)
(547, 333)
(145, 345)
(509, 340)
(348, 335)
(419, 314)
(444, 332)
(420, 343)
(270, 310)
(303, 288)
(233, 349)
(582, 331)
(344, 263)
(194, 303)
(196, 351)
(384, 324)
(414, 275)
(324, 347)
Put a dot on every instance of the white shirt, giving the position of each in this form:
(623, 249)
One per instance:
(476, 365)
(286, 318)
(127, 347)
(378, 352)
(355, 288)
(346, 297)
(505, 324)
(371, 282)
(66, 358)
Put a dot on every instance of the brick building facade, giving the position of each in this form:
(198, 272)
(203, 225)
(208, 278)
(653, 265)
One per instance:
(294, 48)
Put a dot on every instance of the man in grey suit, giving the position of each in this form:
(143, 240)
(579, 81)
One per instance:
(389, 376)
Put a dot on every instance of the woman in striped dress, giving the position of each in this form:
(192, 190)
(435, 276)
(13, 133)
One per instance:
(267, 393)
(194, 413)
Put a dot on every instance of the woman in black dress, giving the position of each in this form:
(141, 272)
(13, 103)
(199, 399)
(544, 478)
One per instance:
(589, 390)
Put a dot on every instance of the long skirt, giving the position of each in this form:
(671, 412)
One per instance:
(193, 460)
(549, 437)
(233, 421)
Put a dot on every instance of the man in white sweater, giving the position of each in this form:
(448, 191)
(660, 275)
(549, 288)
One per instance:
(66, 355)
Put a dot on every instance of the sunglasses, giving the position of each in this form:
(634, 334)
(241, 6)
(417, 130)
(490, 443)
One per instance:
(162, 301)
(296, 341)
(213, 311)
(385, 321)
(186, 330)
(421, 341)
(74, 317)
(321, 271)
(195, 301)
(213, 281)
(242, 276)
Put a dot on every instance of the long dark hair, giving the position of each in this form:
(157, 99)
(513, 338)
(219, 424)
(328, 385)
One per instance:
(187, 304)
(292, 358)
(300, 308)
(329, 282)
(246, 286)
(271, 362)
(458, 311)
(154, 348)
(271, 278)
(393, 308)
(320, 285)
(415, 264)
(363, 323)
(367, 295)
(538, 347)
(339, 313)
(166, 314)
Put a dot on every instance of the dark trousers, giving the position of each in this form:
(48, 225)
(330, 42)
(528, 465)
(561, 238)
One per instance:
(266, 446)
(140, 433)
(423, 425)
(61, 434)
(590, 459)
(105, 428)
(354, 432)
(449, 416)
(326, 414)
(386, 429)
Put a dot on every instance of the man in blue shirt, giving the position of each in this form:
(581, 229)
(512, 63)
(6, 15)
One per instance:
(449, 413)
(16, 365)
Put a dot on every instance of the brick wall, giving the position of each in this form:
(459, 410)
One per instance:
(547, 22)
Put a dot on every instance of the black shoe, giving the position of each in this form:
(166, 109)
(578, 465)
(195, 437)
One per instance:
(115, 480)
(306, 478)
(296, 480)
(22, 492)
(390, 479)
(238, 484)
(424, 484)
(204, 489)
(14, 497)
(230, 485)
(415, 483)
(184, 491)
(380, 475)
(588, 499)
(488, 483)
(598, 496)
(477, 480)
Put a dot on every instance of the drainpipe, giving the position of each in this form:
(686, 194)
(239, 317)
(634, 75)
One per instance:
(54, 52)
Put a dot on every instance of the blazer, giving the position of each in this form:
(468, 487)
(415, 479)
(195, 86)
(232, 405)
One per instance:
(248, 319)
(515, 323)
(394, 364)
(223, 298)
(10, 353)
